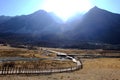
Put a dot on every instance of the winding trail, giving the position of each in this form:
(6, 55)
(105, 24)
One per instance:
(78, 66)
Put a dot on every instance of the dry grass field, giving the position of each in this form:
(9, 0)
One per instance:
(93, 69)
(6, 51)
(45, 62)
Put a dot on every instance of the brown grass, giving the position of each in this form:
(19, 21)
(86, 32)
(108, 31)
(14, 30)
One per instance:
(103, 63)
(42, 64)
(93, 69)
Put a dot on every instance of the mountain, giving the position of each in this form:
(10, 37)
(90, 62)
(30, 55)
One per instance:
(33, 23)
(37, 27)
(4, 19)
(95, 28)
(98, 26)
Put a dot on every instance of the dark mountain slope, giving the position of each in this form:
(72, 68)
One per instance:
(35, 23)
(98, 26)
(4, 19)
(40, 28)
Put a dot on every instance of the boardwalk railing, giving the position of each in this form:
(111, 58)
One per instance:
(22, 70)
(7, 70)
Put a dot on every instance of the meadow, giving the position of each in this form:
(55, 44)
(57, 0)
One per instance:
(93, 69)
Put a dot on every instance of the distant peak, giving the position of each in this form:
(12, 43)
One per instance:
(95, 8)
(40, 12)
(98, 9)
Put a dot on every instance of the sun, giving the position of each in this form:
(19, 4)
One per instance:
(67, 8)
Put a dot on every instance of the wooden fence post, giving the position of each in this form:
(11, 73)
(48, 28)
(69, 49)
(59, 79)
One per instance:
(7, 70)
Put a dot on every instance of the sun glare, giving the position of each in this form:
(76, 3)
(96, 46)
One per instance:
(67, 8)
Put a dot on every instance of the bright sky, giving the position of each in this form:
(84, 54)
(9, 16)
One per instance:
(67, 8)
(62, 8)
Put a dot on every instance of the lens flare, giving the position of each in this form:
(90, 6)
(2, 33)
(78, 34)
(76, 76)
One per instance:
(67, 8)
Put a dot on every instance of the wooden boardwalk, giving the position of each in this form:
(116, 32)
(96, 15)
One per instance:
(6, 70)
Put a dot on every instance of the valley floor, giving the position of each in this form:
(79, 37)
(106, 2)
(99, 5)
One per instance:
(93, 69)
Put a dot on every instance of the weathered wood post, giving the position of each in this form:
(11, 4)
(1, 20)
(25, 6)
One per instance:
(21, 70)
(2, 70)
(10, 71)
(6, 70)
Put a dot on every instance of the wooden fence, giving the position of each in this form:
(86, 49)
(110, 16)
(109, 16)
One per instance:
(9, 70)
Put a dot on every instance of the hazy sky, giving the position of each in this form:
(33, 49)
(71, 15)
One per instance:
(19, 7)
(111, 5)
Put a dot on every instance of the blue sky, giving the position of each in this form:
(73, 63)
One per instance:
(110, 5)
(20, 7)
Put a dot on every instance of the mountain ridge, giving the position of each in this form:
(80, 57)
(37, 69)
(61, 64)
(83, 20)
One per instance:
(40, 28)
